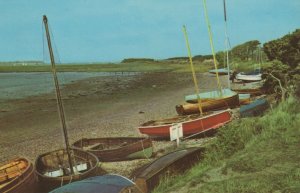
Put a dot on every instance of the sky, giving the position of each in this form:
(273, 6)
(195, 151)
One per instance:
(111, 30)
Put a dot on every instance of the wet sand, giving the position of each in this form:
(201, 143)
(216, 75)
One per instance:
(95, 107)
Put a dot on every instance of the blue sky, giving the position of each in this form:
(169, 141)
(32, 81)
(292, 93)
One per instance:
(110, 30)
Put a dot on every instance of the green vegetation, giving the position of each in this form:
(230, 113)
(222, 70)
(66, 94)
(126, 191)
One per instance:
(283, 76)
(285, 49)
(254, 155)
(156, 66)
(129, 60)
(249, 155)
(244, 57)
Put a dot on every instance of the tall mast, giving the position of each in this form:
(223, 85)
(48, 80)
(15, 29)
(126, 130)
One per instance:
(58, 95)
(226, 42)
(212, 46)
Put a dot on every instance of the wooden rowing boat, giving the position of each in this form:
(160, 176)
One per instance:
(17, 176)
(53, 168)
(149, 176)
(118, 148)
(255, 108)
(191, 124)
(209, 105)
(110, 183)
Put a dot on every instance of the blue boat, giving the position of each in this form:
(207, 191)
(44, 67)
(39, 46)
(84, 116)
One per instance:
(99, 184)
(256, 108)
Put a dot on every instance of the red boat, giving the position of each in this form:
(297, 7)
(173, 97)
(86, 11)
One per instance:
(191, 124)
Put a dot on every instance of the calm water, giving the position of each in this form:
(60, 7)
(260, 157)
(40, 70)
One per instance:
(20, 85)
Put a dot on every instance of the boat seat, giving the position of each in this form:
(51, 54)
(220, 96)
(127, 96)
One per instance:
(95, 146)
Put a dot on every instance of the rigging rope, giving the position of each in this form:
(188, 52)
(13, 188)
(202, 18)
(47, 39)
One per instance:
(212, 46)
(193, 69)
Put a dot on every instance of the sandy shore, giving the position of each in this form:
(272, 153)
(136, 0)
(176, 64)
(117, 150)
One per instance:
(95, 107)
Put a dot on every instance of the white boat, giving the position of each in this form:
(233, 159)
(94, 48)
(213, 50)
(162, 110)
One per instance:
(249, 77)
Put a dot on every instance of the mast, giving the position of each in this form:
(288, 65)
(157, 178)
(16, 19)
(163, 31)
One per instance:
(212, 46)
(226, 42)
(193, 69)
(58, 95)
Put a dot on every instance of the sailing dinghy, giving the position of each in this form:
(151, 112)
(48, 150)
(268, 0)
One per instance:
(62, 166)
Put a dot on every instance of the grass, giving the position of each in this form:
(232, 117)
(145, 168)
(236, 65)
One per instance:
(158, 66)
(248, 66)
(249, 155)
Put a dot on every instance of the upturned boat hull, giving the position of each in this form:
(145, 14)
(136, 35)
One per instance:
(149, 176)
(209, 105)
(53, 170)
(100, 184)
(255, 108)
(17, 176)
(118, 148)
(191, 124)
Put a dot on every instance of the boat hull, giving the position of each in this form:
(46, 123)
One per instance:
(101, 184)
(209, 105)
(191, 124)
(18, 176)
(244, 99)
(149, 176)
(53, 161)
(249, 78)
(211, 95)
(118, 148)
(256, 108)
(221, 71)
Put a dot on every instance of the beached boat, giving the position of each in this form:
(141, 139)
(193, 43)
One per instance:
(210, 101)
(62, 166)
(53, 169)
(149, 176)
(255, 108)
(117, 148)
(244, 99)
(253, 76)
(110, 183)
(229, 100)
(212, 95)
(252, 92)
(17, 176)
(252, 88)
(191, 124)
(221, 71)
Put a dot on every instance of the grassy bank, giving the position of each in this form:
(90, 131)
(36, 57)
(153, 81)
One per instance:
(157, 66)
(249, 155)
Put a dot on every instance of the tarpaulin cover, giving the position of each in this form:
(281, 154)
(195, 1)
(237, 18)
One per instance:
(98, 184)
